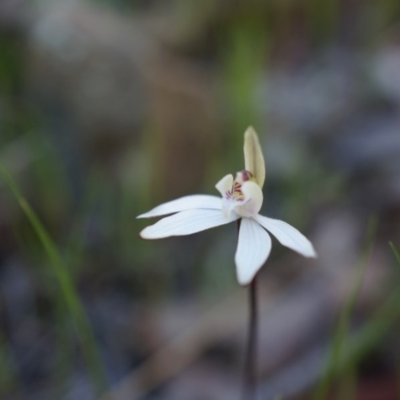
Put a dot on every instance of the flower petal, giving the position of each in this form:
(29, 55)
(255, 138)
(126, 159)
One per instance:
(225, 185)
(287, 235)
(185, 203)
(254, 246)
(253, 156)
(186, 223)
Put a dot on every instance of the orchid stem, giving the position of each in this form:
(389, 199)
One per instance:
(249, 384)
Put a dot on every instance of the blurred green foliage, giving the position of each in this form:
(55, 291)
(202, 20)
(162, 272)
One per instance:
(94, 236)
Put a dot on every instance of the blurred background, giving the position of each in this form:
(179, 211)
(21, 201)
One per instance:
(108, 108)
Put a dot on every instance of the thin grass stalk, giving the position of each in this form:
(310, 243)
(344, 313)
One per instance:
(395, 253)
(340, 334)
(9, 379)
(67, 289)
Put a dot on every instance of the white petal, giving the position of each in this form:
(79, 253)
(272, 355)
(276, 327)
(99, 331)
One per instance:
(228, 206)
(225, 185)
(287, 235)
(186, 223)
(185, 203)
(254, 246)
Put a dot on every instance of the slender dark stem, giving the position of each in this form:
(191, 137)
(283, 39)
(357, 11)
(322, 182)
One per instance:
(250, 366)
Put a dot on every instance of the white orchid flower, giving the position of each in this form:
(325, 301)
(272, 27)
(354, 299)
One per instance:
(242, 199)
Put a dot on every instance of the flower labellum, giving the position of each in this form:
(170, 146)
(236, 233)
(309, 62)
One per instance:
(242, 198)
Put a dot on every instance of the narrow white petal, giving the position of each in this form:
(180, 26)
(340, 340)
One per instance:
(254, 246)
(225, 185)
(186, 223)
(287, 235)
(185, 203)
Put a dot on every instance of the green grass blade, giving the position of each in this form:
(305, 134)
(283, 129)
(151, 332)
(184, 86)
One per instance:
(9, 379)
(67, 289)
(395, 252)
(372, 333)
(367, 338)
(340, 334)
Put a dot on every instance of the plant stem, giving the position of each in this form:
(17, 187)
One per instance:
(249, 374)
